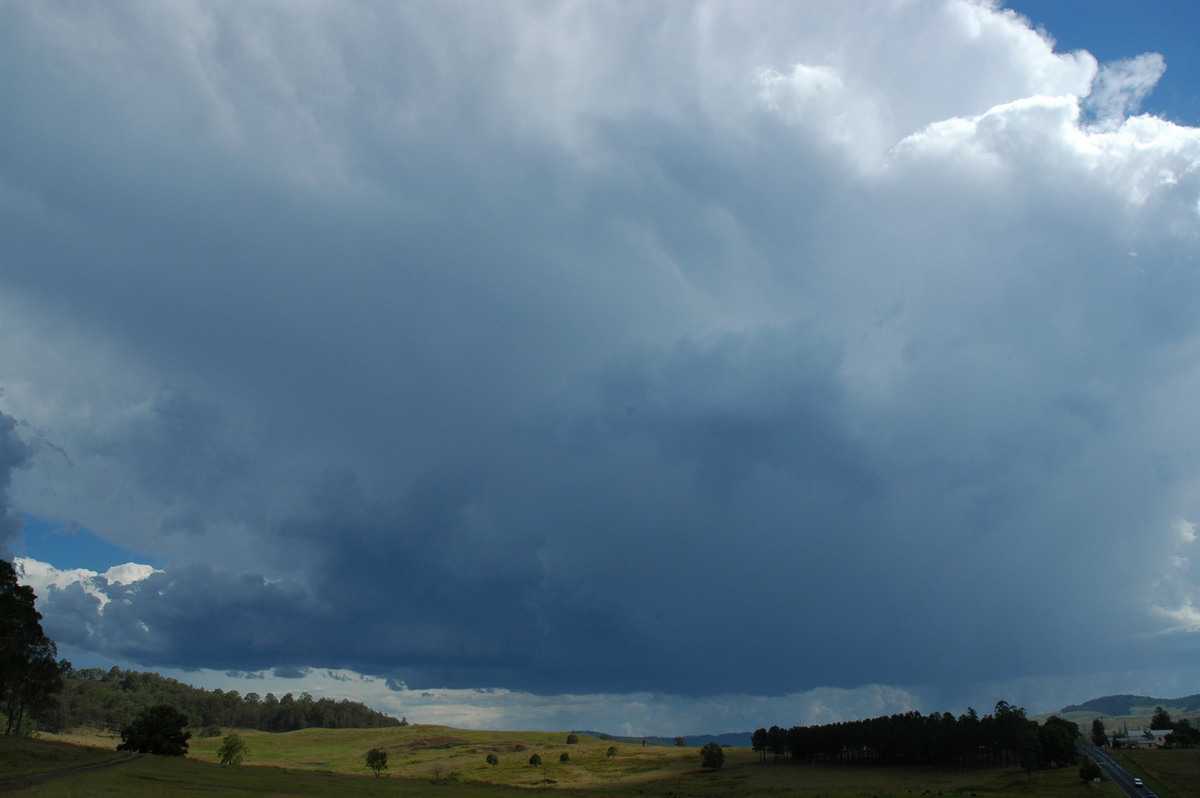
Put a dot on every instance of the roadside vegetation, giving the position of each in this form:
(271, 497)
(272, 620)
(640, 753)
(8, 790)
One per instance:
(1170, 772)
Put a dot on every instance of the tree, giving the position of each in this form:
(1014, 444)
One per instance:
(493, 760)
(759, 742)
(712, 756)
(681, 741)
(30, 675)
(160, 729)
(777, 741)
(1099, 735)
(1185, 735)
(564, 757)
(1029, 751)
(1090, 771)
(376, 760)
(1161, 720)
(572, 739)
(1057, 740)
(611, 752)
(535, 760)
(233, 749)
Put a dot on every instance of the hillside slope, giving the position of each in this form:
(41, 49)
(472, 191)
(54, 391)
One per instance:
(1122, 705)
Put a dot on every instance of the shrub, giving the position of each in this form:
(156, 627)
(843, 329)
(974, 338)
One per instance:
(1089, 770)
(712, 756)
(376, 760)
(233, 749)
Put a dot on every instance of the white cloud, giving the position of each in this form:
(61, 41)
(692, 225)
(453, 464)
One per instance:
(44, 577)
(1176, 595)
(1119, 89)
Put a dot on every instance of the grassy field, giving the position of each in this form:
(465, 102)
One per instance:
(1170, 773)
(425, 760)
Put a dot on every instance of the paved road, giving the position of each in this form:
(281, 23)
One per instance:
(1115, 773)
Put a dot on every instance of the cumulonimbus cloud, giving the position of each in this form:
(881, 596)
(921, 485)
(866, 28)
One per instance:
(551, 347)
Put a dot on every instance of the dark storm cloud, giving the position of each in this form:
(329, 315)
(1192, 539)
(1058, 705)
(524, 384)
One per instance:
(14, 454)
(565, 349)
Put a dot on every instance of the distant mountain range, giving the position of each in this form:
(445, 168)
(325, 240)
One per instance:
(1118, 705)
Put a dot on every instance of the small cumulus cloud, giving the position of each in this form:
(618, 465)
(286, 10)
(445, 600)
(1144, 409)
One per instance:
(1120, 88)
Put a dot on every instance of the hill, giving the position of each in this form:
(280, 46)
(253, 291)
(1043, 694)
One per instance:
(1131, 705)
(99, 699)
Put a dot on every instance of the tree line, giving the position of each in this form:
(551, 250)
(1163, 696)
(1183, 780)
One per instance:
(1005, 737)
(112, 699)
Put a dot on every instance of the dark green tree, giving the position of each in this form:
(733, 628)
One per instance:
(572, 739)
(376, 760)
(681, 741)
(564, 757)
(1029, 751)
(493, 760)
(611, 752)
(535, 760)
(233, 749)
(712, 756)
(30, 674)
(1009, 724)
(1099, 735)
(1161, 720)
(777, 741)
(1185, 735)
(1090, 771)
(759, 742)
(160, 729)
(1057, 738)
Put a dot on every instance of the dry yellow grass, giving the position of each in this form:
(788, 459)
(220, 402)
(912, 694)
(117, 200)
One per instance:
(457, 758)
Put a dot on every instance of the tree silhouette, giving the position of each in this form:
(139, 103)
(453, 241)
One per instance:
(1099, 735)
(712, 756)
(30, 674)
(159, 730)
(1161, 720)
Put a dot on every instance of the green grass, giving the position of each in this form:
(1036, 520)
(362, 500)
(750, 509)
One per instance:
(319, 762)
(1172, 773)
(20, 756)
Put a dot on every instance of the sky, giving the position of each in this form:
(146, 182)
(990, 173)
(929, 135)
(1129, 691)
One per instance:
(653, 368)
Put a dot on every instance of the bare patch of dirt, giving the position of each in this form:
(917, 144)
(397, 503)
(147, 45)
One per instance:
(431, 743)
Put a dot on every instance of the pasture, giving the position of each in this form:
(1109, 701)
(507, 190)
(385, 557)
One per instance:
(437, 760)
